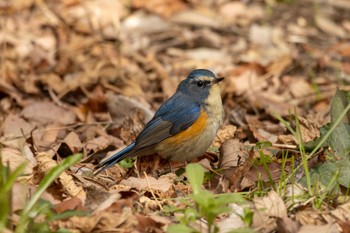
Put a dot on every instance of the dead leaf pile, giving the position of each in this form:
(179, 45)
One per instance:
(85, 76)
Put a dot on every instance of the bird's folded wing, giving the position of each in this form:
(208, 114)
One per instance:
(168, 122)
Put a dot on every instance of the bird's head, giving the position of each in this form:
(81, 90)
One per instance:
(200, 85)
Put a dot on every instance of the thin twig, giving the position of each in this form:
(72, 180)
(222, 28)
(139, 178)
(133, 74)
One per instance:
(151, 190)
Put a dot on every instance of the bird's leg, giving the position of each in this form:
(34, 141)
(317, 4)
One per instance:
(170, 167)
(155, 165)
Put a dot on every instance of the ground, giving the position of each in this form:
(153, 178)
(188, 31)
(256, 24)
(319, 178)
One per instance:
(82, 77)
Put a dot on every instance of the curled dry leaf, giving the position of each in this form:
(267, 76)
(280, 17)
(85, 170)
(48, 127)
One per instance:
(266, 211)
(65, 181)
(235, 175)
(226, 133)
(263, 130)
(232, 152)
(309, 127)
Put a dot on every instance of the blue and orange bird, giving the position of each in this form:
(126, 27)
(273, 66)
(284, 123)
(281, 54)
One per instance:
(183, 127)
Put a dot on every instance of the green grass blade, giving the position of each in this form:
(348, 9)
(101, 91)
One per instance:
(195, 175)
(44, 184)
(13, 176)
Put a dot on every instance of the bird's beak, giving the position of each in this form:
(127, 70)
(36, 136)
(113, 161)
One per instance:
(217, 80)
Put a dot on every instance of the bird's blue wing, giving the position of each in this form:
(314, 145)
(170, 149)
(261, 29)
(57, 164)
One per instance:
(174, 116)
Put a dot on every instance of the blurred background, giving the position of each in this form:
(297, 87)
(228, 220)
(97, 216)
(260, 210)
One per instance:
(274, 54)
(116, 61)
(84, 76)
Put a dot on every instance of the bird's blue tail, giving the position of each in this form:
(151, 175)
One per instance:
(114, 159)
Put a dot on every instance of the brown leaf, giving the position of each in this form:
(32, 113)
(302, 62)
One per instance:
(22, 192)
(14, 158)
(259, 172)
(43, 139)
(66, 182)
(326, 24)
(240, 13)
(129, 116)
(98, 200)
(233, 176)
(73, 142)
(267, 209)
(163, 183)
(165, 8)
(309, 127)
(232, 153)
(233, 221)
(47, 112)
(147, 224)
(196, 18)
(101, 222)
(14, 126)
(287, 225)
(73, 203)
(225, 133)
(300, 88)
(329, 228)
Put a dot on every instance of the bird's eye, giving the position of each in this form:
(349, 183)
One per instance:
(200, 83)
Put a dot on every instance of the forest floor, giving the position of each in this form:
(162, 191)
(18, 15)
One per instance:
(82, 77)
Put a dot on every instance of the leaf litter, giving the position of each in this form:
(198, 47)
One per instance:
(86, 76)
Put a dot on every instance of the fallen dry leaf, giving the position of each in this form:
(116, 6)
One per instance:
(14, 126)
(15, 158)
(225, 133)
(329, 228)
(163, 183)
(327, 25)
(73, 203)
(66, 182)
(287, 225)
(83, 76)
(21, 193)
(233, 221)
(164, 8)
(232, 153)
(266, 211)
(73, 142)
(47, 112)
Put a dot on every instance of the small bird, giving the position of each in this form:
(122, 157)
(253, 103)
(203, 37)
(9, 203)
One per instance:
(183, 127)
